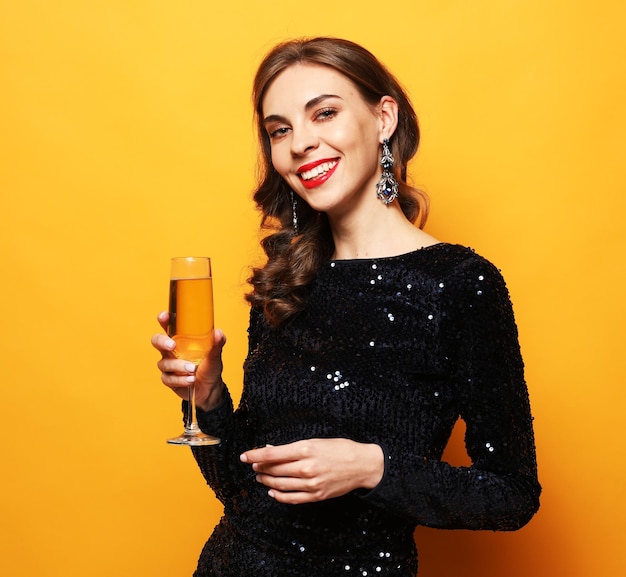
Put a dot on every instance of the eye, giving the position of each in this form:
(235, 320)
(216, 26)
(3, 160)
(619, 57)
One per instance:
(325, 114)
(278, 132)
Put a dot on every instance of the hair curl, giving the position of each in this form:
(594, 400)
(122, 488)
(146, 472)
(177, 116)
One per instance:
(281, 286)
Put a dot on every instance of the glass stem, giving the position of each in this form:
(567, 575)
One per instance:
(192, 423)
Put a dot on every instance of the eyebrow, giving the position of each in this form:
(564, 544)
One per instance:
(310, 104)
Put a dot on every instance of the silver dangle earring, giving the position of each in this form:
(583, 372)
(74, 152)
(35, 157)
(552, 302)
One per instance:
(387, 186)
(294, 214)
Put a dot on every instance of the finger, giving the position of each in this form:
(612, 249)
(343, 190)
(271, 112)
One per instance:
(276, 454)
(176, 373)
(172, 365)
(219, 340)
(290, 484)
(182, 392)
(294, 497)
(263, 455)
(219, 337)
(163, 344)
(164, 318)
(210, 368)
(301, 469)
(177, 381)
(280, 484)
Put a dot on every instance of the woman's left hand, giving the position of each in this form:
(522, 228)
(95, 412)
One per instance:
(316, 469)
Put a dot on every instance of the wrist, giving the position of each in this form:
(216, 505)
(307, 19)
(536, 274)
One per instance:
(214, 398)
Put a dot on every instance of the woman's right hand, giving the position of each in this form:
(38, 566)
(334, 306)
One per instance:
(179, 374)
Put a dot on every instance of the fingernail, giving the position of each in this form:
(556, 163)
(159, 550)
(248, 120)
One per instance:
(190, 367)
(243, 458)
(271, 493)
(169, 343)
(191, 379)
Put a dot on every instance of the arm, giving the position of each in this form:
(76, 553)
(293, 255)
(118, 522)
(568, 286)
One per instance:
(220, 464)
(216, 461)
(499, 491)
(214, 404)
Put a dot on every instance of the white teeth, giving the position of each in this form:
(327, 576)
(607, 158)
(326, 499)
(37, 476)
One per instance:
(318, 170)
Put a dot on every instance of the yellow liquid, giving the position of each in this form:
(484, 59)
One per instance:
(191, 317)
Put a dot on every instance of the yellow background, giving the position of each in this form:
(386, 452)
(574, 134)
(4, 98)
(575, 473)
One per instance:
(126, 138)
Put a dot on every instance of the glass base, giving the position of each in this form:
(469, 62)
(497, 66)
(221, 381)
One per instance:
(196, 439)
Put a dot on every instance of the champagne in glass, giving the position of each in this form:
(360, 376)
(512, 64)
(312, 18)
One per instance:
(191, 327)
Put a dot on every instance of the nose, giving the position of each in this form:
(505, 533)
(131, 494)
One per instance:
(304, 139)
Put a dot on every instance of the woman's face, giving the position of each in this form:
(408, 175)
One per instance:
(324, 138)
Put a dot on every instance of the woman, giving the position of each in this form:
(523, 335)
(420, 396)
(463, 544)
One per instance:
(368, 339)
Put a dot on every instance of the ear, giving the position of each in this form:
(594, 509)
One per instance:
(388, 111)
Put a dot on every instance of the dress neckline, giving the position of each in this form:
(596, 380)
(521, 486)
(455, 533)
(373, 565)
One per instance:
(400, 256)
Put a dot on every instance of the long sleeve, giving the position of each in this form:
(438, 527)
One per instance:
(216, 461)
(500, 490)
(220, 464)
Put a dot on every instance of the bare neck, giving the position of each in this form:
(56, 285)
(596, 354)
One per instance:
(375, 234)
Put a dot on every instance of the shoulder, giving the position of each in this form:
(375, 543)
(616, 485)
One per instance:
(466, 264)
(453, 262)
(472, 285)
(457, 272)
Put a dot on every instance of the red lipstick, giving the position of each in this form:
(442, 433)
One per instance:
(314, 181)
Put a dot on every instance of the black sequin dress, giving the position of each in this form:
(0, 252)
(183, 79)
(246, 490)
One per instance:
(389, 351)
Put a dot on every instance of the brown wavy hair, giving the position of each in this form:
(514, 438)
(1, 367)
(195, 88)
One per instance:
(280, 287)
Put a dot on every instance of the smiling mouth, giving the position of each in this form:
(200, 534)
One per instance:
(319, 171)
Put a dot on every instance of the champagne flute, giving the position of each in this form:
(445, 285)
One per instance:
(191, 327)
